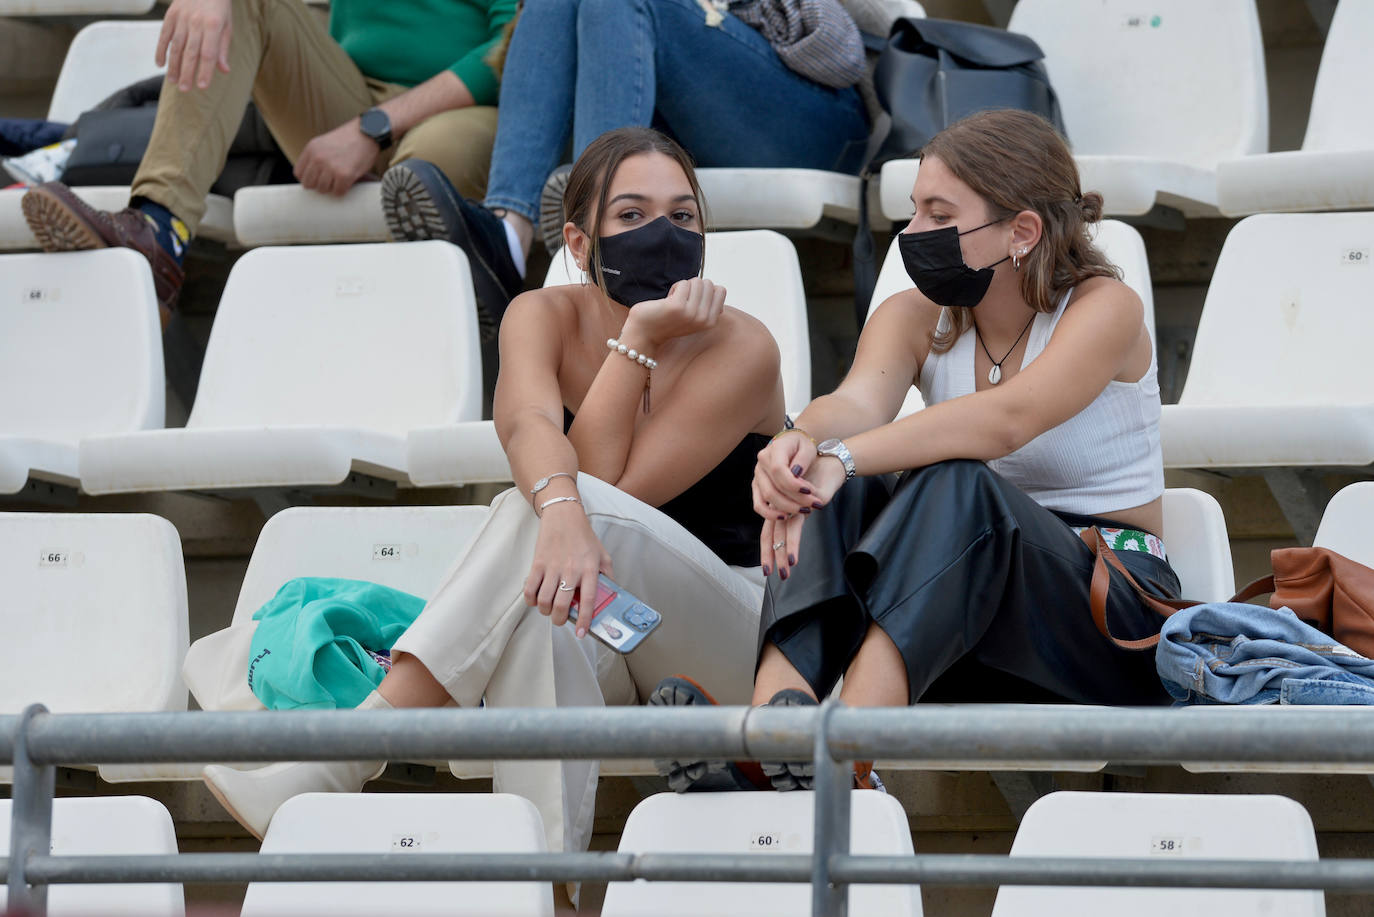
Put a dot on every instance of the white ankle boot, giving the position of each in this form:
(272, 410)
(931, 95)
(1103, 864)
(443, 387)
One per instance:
(254, 796)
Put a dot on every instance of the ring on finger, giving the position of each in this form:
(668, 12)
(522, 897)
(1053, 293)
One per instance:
(564, 587)
(779, 545)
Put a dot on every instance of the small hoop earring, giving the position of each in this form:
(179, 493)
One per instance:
(1016, 262)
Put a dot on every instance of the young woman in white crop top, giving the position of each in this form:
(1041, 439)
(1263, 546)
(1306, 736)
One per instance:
(965, 578)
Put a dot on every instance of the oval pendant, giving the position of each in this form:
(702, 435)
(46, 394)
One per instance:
(995, 374)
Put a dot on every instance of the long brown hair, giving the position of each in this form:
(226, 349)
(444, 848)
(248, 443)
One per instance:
(1016, 161)
(584, 200)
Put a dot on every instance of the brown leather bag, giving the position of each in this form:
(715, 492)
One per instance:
(1329, 591)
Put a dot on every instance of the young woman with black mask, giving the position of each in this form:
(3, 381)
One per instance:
(637, 388)
(965, 579)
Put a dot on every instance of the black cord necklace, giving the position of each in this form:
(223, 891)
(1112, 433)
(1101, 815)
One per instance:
(995, 374)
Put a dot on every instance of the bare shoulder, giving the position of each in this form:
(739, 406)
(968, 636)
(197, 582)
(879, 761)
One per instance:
(1106, 298)
(541, 306)
(739, 336)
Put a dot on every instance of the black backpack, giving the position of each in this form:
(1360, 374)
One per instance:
(931, 73)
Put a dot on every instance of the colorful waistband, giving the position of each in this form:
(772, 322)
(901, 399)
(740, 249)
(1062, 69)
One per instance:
(1129, 540)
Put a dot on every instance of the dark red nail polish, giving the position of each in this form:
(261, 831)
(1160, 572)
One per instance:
(781, 517)
(767, 572)
(806, 490)
(818, 506)
(797, 469)
(782, 572)
(791, 560)
(804, 510)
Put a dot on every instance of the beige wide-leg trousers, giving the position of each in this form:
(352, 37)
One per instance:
(479, 639)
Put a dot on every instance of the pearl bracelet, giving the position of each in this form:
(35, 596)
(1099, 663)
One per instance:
(643, 359)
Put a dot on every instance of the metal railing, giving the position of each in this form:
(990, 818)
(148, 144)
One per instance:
(37, 742)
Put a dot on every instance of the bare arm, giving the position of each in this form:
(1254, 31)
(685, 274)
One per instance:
(444, 91)
(528, 412)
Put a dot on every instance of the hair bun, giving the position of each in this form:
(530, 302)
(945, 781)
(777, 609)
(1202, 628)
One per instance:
(1090, 207)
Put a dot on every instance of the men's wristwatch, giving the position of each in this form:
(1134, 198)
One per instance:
(376, 124)
(839, 450)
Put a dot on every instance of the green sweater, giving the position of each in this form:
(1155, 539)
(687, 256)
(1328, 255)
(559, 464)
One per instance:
(409, 41)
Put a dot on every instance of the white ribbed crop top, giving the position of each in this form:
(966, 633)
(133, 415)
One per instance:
(1104, 458)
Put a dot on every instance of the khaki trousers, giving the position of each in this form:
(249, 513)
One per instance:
(283, 58)
(480, 640)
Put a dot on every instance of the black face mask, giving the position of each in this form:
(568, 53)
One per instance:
(936, 265)
(644, 263)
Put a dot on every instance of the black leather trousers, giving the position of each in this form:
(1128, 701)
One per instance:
(984, 592)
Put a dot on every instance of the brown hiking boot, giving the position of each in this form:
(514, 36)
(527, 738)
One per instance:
(62, 222)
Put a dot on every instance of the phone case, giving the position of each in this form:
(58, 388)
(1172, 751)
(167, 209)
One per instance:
(619, 620)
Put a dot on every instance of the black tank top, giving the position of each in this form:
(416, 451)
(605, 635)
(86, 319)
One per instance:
(719, 508)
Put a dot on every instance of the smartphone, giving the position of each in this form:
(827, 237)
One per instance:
(619, 619)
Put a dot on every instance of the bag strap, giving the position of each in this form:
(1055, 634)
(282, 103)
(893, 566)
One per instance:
(1104, 557)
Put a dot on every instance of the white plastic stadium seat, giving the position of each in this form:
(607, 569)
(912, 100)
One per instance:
(1153, 97)
(15, 8)
(100, 602)
(80, 353)
(762, 277)
(292, 215)
(320, 360)
(1345, 525)
(755, 824)
(1199, 548)
(404, 547)
(1278, 371)
(1162, 826)
(1120, 242)
(107, 826)
(417, 823)
(103, 57)
(1334, 170)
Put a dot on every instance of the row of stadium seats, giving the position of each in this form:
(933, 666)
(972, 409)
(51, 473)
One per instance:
(1191, 136)
(1064, 824)
(102, 597)
(313, 379)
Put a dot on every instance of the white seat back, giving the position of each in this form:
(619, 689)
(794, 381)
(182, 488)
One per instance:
(1345, 524)
(1346, 68)
(100, 602)
(1286, 320)
(409, 548)
(80, 346)
(1119, 241)
(1175, 80)
(755, 824)
(113, 826)
(103, 57)
(761, 276)
(1162, 825)
(389, 823)
(380, 337)
(1199, 548)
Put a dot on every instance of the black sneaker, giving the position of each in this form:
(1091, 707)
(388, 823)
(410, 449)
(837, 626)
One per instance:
(419, 202)
(698, 775)
(791, 775)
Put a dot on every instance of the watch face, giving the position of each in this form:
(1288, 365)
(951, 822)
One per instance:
(375, 123)
(828, 446)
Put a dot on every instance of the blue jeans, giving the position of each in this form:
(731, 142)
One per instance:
(1225, 653)
(588, 66)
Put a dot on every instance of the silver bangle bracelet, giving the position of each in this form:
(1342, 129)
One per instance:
(548, 479)
(547, 503)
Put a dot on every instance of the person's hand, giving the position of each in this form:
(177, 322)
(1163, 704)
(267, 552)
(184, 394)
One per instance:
(691, 305)
(780, 485)
(780, 544)
(194, 41)
(335, 160)
(567, 551)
